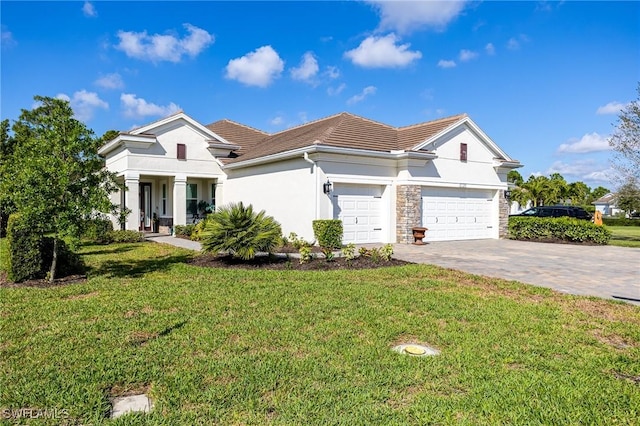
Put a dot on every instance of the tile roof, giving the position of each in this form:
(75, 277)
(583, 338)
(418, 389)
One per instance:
(239, 134)
(343, 130)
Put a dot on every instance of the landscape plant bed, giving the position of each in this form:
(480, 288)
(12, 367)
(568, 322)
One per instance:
(232, 346)
(42, 283)
(283, 262)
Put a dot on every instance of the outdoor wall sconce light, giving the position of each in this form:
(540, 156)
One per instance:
(326, 187)
(507, 194)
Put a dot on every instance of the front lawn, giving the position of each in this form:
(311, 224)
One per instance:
(625, 236)
(234, 346)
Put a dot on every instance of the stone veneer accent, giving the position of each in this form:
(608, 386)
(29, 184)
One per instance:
(408, 211)
(503, 227)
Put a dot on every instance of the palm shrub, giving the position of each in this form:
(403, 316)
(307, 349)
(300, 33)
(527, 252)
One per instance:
(240, 231)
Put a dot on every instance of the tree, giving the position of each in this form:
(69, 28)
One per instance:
(579, 193)
(628, 197)
(598, 192)
(625, 141)
(240, 231)
(6, 154)
(558, 189)
(57, 178)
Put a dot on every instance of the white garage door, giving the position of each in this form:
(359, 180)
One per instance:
(360, 209)
(457, 214)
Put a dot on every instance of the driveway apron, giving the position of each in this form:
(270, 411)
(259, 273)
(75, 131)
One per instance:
(603, 271)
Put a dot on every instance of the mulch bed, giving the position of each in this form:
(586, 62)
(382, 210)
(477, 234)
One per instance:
(292, 263)
(43, 283)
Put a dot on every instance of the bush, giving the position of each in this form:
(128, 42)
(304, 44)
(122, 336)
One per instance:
(121, 236)
(96, 229)
(305, 254)
(328, 233)
(620, 221)
(553, 229)
(31, 253)
(25, 250)
(297, 242)
(349, 252)
(185, 230)
(238, 230)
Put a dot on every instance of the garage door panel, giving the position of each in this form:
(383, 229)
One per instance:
(360, 209)
(452, 214)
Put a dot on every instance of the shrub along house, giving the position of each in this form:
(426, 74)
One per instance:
(381, 181)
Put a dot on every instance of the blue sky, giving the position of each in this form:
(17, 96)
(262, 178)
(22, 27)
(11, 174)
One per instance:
(545, 80)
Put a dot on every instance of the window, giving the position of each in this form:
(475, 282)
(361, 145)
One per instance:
(164, 199)
(463, 152)
(192, 199)
(213, 197)
(182, 151)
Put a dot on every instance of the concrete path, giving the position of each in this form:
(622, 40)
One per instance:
(603, 271)
(178, 242)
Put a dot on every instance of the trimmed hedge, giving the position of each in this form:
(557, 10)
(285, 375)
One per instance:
(25, 250)
(328, 233)
(185, 230)
(620, 221)
(122, 236)
(561, 228)
(31, 253)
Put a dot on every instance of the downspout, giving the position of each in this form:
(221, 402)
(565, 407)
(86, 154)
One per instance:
(306, 158)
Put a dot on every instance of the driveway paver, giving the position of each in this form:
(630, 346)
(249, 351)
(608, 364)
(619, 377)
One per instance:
(603, 271)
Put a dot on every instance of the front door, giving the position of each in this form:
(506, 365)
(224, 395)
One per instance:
(145, 207)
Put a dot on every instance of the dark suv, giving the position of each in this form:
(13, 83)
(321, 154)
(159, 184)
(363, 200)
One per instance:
(556, 211)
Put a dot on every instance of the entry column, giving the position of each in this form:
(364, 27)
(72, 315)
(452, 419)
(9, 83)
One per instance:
(132, 200)
(179, 200)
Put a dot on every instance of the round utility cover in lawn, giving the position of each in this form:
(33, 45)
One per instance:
(414, 349)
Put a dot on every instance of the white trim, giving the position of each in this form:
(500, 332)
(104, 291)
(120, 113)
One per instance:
(475, 129)
(128, 141)
(316, 149)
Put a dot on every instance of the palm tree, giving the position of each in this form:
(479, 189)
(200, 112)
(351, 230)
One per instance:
(238, 230)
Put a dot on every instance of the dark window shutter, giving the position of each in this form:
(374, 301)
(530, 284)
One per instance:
(182, 151)
(463, 152)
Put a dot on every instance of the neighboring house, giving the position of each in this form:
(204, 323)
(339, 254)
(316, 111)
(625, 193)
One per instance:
(607, 205)
(447, 175)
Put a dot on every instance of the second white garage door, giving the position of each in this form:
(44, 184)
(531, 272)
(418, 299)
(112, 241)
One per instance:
(457, 214)
(360, 209)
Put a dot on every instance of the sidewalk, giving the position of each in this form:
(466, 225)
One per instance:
(178, 242)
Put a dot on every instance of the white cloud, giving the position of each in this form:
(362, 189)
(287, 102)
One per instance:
(159, 47)
(277, 121)
(407, 16)
(110, 81)
(590, 142)
(7, 39)
(257, 68)
(611, 108)
(515, 43)
(490, 49)
(584, 170)
(382, 52)
(307, 70)
(334, 91)
(135, 107)
(84, 104)
(369, 90)
(442, 63)
(89, 10)
(332, 72)
(467, 55)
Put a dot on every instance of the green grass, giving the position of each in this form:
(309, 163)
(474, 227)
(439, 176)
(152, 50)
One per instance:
(625, 236)
(302, 347)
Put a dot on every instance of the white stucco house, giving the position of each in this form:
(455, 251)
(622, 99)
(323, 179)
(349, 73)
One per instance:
(446, 175)
(607, 205)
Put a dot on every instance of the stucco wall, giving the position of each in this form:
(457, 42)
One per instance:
(286, 190)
